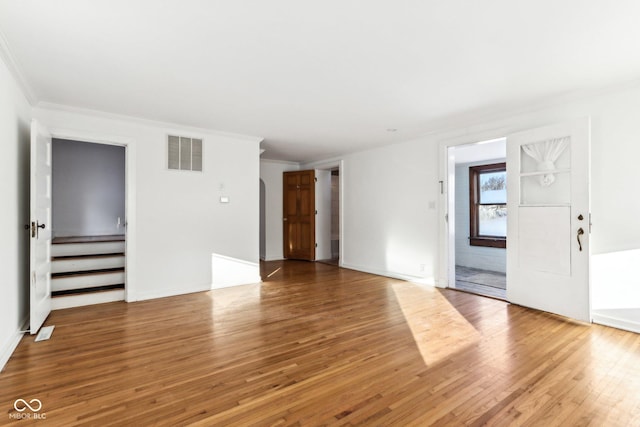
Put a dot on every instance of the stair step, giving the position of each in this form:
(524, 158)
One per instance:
(87, 291)
(88, 239)
(88, 279)
(99, 297)
(87, 263)
(91, 248)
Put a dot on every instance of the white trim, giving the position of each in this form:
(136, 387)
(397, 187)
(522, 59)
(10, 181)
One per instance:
(12, 64)
(615, 322)
(11, 346)
(165, 293)
(130, 202)
(391, 274)
(143, 121)
(280, 162)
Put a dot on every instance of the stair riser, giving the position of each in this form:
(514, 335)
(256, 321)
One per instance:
(68, 301)
(73, 265)
(79, 249)
(86, 281)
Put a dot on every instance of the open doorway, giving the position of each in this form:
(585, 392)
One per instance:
(477, 218)
(88, 223)
(328, 215)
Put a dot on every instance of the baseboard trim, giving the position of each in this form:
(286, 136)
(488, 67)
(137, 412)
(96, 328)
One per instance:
(169, 293)
(615, 322)
(11, 346)
(391, 274)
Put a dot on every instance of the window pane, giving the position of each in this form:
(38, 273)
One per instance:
(492, 220)
(493, 187)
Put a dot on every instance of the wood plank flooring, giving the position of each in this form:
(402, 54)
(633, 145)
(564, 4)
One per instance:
(318, 345)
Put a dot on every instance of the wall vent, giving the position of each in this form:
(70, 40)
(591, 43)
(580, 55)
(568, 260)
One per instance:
(184, 153)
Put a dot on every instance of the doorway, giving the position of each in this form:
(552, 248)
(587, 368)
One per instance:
(89, 222)
(477, 218)
(328, 215)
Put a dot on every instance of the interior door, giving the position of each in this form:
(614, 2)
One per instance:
(548, 219)
(299, 215)
(40, 226)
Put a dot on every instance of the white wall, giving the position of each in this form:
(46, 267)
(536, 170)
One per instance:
(178, 222)
(486, 258)
(271, 174)
(15, 118)
(389, 210)
(88, 189)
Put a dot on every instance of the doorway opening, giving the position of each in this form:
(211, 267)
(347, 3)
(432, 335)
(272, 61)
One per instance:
(328, 216)
(477, 197)
(88, 247)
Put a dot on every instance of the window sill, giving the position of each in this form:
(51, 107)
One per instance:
(491, 242)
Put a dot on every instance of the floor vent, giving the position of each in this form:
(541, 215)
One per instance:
(45, 333)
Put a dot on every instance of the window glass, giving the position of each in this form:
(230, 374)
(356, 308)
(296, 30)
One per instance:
(493, 187)
(492, 220)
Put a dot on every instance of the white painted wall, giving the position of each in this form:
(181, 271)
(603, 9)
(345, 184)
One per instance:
(15, 118)
(494, 259)
(389, 211)
(179, 221)
(323, 218)
(88, 188)
(271, 174)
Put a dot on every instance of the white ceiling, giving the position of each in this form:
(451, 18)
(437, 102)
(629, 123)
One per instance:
(319, 79)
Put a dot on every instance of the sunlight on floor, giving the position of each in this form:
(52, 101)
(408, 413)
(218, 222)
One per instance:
(437, 336)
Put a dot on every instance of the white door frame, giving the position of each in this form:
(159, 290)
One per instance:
(446, 234)
(333, 164)
(130, 189)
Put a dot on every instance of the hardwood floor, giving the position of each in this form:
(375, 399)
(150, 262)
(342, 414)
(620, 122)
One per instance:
(319, 345)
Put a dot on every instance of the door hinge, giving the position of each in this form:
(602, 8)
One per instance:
(316, 245)
(446, 217)
(315, 179)
(316, 212)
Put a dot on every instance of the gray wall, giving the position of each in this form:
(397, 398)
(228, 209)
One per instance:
(88, 188)
(494, 259)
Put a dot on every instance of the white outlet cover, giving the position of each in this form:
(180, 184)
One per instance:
(224, 199)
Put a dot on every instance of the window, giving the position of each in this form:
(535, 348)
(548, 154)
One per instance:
(488, 205)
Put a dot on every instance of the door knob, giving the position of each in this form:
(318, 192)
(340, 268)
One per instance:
(580, 233)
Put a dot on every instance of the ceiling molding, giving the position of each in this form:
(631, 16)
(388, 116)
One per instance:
(9, 59)
(144, 122)
(280, 162)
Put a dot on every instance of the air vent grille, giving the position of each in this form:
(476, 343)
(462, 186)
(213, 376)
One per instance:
(184, 153)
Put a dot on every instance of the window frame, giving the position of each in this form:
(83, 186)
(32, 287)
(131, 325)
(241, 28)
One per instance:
(475, 239)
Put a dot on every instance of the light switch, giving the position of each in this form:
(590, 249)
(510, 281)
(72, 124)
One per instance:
(224, 199)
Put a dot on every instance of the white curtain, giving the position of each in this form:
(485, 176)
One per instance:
(546, 153)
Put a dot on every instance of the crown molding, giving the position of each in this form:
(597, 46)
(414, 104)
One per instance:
(50, 106)
(279, 162)
(12, 64)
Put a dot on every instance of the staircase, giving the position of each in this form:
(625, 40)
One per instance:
(87, 270)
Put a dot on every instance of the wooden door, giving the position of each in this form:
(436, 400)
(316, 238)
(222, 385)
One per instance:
(299, 215)
(548, 219)
(40, 226)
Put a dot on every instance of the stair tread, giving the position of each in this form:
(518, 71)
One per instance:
(88, 239)
(87, 273)
(86, 291)
(96, 256)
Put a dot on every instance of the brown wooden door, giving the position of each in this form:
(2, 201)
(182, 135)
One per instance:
(299, 222)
